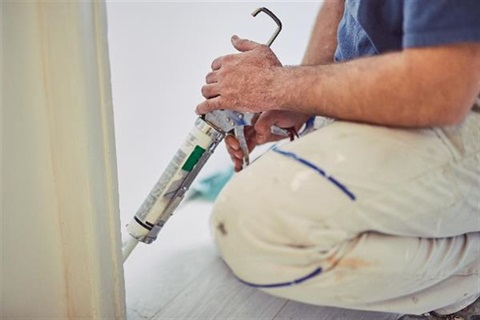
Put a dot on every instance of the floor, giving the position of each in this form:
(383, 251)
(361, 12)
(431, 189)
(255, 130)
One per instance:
(180, 276)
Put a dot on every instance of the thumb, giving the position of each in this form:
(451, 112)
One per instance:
(243, 45)
(262, 127)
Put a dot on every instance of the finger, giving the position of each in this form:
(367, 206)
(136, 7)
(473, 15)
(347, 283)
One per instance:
(237, 165)
(211, 77)
(217, 63)
(255, 117)
(243, 45)
(210, 90)
(232, 143)
(263, 126)
(235, 151)
(209, 105)
(235, 155)
(251, 144)
(264, 122)
(250, 132)
(237, 162)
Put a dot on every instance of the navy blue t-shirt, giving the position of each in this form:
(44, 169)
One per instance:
(370, 27)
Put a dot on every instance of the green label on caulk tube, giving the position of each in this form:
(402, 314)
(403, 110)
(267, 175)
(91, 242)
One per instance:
(193, 158)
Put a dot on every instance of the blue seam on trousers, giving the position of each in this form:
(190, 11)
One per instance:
(282, 284)
(338, 184)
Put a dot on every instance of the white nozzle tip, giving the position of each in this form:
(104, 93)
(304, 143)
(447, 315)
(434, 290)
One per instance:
(128, 247)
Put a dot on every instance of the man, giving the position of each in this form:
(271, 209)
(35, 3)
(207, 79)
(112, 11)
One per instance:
(380, 209)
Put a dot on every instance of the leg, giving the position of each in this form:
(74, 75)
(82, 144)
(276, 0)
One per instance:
(360, 217)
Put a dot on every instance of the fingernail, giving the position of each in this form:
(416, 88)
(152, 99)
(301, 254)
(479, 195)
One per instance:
(260, 138)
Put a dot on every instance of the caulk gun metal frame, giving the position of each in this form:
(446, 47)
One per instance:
(209, 130)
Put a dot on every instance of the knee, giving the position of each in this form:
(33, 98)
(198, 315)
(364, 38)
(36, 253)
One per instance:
(239, 230)
(262, 240)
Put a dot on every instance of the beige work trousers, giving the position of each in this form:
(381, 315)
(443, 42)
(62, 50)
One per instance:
(359, 216)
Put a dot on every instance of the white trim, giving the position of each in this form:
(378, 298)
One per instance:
(61, 244)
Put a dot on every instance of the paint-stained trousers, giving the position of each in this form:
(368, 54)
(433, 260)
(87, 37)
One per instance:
(359, 216)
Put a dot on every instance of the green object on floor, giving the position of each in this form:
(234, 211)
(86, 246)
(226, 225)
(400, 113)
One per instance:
(209, 187)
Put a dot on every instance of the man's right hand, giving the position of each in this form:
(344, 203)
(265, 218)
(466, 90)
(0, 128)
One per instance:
(261, 132)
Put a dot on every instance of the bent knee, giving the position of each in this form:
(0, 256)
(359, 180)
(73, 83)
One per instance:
(263, 242)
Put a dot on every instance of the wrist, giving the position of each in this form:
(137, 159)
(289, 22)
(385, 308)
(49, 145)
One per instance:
(296, 89)
(282, 88)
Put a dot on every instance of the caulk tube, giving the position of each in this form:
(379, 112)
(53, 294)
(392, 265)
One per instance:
(170, 189)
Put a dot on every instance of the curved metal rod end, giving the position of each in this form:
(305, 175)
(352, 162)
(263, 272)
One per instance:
(257, 11)
(274, 17)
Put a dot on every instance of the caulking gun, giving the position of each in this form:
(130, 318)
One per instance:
(208, 131)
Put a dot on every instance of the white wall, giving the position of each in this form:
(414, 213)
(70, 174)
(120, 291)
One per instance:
(160, 53)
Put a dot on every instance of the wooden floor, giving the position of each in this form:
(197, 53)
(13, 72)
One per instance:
(180, 276)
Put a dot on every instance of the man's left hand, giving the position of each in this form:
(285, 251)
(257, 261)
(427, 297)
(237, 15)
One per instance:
(241, 81)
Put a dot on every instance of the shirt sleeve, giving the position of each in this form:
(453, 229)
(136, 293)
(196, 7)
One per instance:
(439, 22)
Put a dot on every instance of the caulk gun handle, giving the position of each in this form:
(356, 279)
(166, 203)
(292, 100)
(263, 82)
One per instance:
(240, 135)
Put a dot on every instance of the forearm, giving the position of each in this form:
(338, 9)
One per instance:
(410, 88)
(323, 38)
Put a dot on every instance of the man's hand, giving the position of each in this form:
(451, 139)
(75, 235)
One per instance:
(261, 132)
(234, 149)
(281, 119)
(241, 81)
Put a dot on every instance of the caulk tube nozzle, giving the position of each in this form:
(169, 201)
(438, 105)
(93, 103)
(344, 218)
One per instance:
(128, 247)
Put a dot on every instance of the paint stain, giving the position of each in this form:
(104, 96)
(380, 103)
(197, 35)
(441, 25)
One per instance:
(343, 267)
(221, 228)
(297, 246)
(350, 263)
(354, 263)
